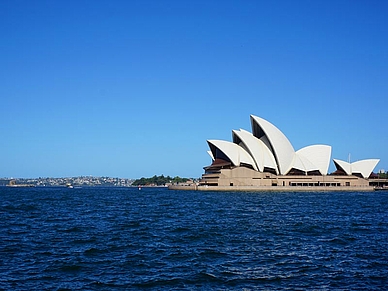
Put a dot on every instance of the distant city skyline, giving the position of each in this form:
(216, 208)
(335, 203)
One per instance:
(134, 89)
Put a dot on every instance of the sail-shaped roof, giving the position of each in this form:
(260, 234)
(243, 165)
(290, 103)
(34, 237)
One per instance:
(268, 149)
(318, 155)
(362, 167)
(235, 153)
(276, 141)
(256, 148)
(303, 164)
(342, 165)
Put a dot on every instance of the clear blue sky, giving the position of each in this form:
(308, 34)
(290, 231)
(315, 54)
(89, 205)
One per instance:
(135, 88)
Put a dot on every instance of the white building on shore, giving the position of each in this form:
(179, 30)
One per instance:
(266, 159)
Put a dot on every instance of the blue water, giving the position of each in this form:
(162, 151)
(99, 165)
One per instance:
(156, 239)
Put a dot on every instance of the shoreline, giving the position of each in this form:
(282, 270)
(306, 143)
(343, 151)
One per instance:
(195, 187)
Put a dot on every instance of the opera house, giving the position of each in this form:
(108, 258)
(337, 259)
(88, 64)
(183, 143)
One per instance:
(264, 159)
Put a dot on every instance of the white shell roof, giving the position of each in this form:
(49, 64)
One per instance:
(268, 147)
(304, 164)
(234, 152)
(281, 146)
(318, 155)
(363, 167)
(257, 149)
(345, 166)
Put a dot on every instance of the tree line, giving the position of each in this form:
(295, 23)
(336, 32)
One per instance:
(158, 180)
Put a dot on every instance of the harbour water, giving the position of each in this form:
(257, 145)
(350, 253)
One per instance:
(156, 239)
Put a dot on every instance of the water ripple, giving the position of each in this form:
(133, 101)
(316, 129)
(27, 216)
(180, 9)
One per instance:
(120, 239)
